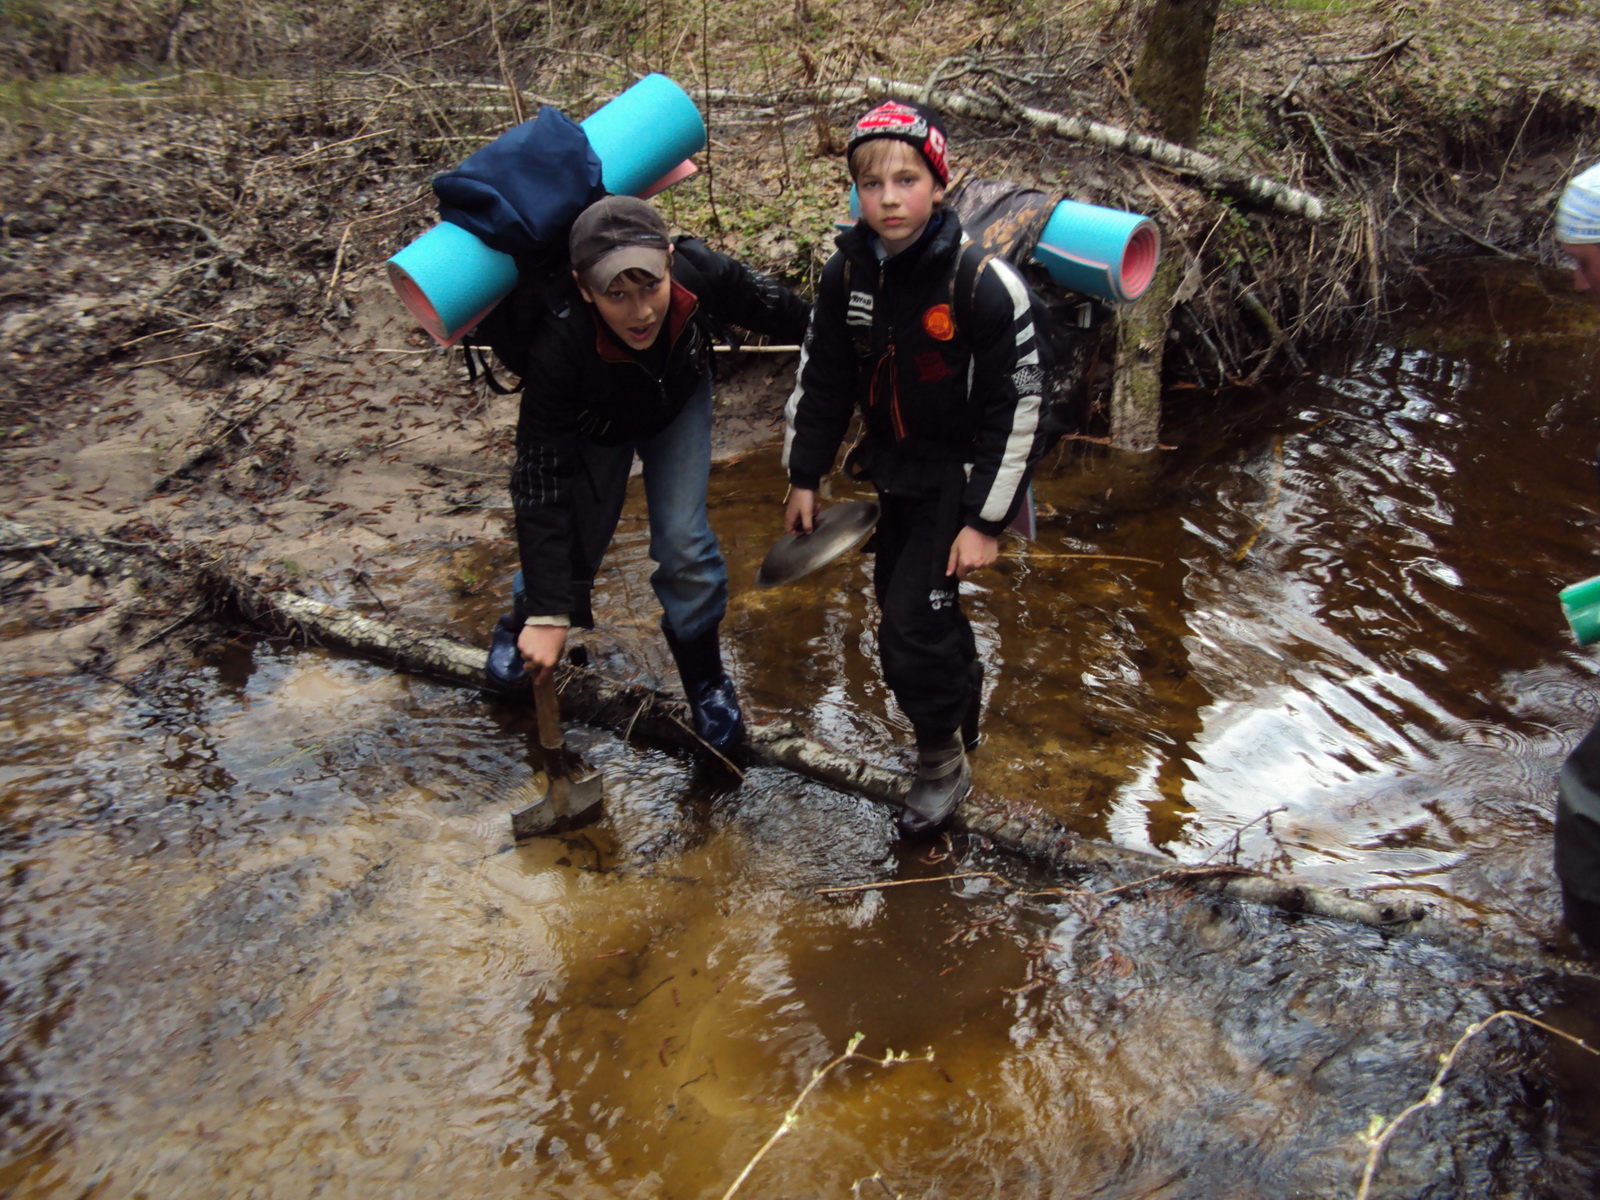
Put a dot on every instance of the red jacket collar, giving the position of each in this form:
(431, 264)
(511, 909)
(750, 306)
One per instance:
(679, 310)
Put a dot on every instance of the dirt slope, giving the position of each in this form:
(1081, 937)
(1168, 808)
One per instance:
(197, 341)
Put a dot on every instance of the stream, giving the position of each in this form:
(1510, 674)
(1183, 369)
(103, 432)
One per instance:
(265, 933)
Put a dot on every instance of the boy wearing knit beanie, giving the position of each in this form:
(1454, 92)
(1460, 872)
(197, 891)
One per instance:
(950, 392)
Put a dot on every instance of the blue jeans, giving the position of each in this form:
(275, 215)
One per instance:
(690, 579)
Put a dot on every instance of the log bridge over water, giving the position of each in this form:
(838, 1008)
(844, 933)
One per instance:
(633, 710)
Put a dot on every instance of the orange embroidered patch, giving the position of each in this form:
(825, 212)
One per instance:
(938, 322)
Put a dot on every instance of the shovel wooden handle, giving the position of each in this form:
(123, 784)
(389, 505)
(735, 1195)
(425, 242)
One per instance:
(548, 709)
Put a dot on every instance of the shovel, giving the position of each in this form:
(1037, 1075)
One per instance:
(574, 793)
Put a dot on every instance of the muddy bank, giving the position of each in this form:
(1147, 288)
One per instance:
(208, 203)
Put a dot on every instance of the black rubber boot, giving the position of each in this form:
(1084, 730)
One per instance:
(1582, 917)
(718, 720)
(971, 735)
(943, 781)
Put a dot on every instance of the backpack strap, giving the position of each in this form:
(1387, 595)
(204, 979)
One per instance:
(478, 364)
(861, 338)
(964, 285)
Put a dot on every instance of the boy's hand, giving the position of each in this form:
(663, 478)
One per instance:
(971, 551)
(540, 647)
(801, 514)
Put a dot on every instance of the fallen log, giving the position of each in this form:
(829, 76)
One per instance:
(631, 709)
(1213, 172)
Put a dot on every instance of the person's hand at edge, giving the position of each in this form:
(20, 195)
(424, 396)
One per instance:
(540, 647)
(971, 551)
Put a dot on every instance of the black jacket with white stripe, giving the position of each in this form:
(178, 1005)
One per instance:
(883, 341)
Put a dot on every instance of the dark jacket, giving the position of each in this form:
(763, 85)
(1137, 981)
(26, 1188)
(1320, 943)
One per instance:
(883, 342)
(1577, 834)
(582, 383)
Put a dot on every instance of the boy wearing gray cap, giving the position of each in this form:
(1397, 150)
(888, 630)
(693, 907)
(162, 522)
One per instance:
(620, 366)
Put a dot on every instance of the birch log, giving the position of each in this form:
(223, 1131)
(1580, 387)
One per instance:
(1211, 171)
(630, 709)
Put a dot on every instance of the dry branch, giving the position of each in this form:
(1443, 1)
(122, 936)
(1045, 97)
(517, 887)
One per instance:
(215, 243)
(1381, 1132)
(204, 450)
(851, 1053)
(1212, 172)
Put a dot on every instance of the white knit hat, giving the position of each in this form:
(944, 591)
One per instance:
(1578, 214)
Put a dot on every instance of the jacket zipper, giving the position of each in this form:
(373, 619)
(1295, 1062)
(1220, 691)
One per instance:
(896, 419)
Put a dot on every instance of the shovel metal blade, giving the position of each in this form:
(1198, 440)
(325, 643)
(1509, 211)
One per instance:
(837, 530)
(570, 801)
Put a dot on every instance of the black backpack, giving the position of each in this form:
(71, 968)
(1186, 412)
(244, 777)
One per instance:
(507, 330)
(1007, 219)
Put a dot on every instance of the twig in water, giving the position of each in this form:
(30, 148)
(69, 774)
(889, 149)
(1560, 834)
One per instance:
(1170, 875)
(889, 1059)
(634, 720)
(726, 761)
(1038, 556)
(889, 883)
(1234, 837)
(877, 1178)
(1380, 1132)
(1103, 441)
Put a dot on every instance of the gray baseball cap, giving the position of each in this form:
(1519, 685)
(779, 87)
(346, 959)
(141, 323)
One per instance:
(614, 235)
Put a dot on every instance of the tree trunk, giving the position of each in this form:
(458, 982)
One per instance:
(1170, 81)
(1136, 378)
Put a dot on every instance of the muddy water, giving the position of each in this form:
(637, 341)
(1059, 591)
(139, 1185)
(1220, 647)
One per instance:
(264, 933)
(1335, 605)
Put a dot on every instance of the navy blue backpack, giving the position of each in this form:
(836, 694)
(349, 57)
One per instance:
(520, 195)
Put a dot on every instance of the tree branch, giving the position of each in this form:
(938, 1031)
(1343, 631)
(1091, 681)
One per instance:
(1213, 172)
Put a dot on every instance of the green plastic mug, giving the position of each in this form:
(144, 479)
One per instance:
(1581, 605)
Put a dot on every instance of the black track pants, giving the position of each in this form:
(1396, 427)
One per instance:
(925, 643)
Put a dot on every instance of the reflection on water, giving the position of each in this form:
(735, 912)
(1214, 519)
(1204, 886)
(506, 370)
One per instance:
(265, 934)
(1337, 605)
